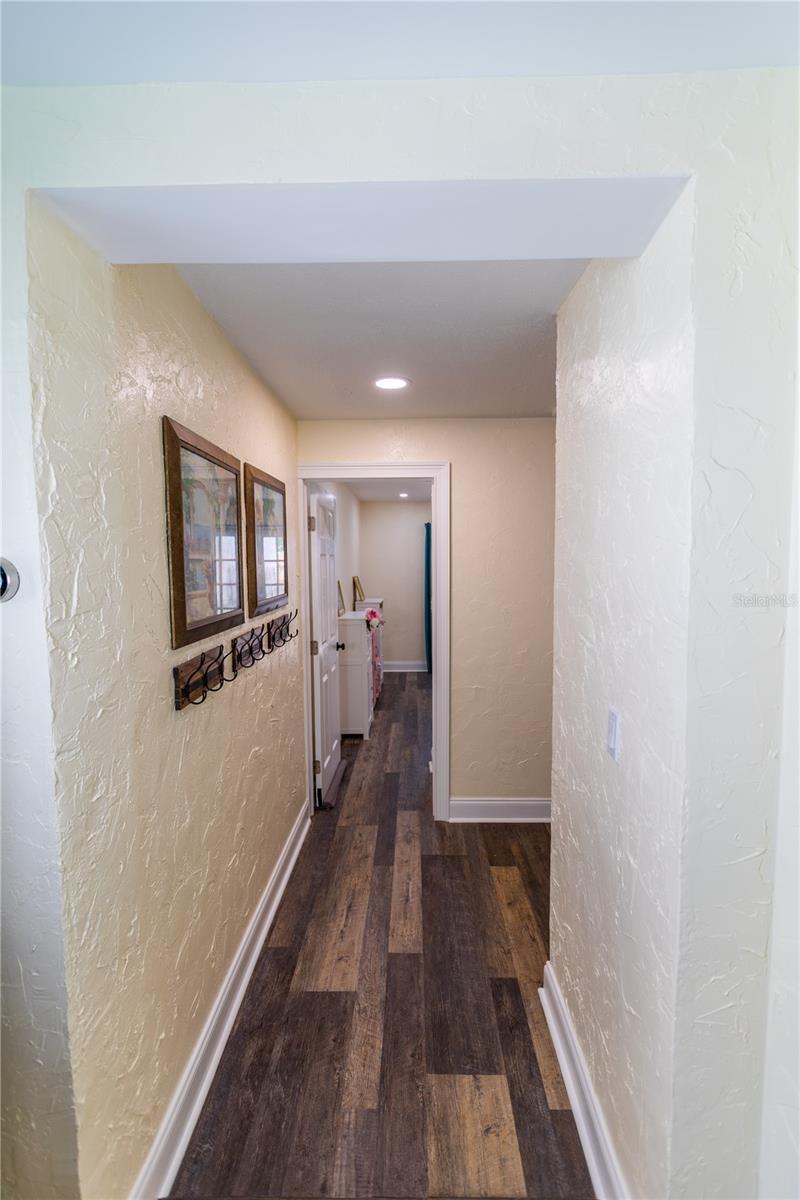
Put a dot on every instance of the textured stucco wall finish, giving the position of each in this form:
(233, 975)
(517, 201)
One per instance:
(501, 564)
(736, 133)
(623, 498)
(170, 822)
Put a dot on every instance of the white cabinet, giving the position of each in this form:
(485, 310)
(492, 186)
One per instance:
(355, 674)
(377, 643)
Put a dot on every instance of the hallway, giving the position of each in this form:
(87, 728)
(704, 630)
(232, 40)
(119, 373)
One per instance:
(391, 1041)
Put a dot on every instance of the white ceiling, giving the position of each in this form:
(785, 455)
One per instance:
(325, 287)
(476, 339)
(406, 221)
(389, 489)
(132, 41)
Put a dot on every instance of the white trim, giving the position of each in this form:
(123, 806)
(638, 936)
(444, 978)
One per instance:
(411, 668)
(304, 551)
(498, 809)
(601, 1159)
(439, 475)
(169, 1145)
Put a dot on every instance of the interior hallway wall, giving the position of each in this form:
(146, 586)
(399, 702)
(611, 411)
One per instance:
(623, 498)
(501, 573)
(170, 822)
(393, 566)
(735, 132)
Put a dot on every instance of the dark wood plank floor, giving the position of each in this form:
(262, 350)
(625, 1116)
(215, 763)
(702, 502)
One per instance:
(391, 1042)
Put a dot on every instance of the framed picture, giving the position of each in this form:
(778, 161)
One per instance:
(265, 521)
(358, 591)
(203, 535)
(340, 608)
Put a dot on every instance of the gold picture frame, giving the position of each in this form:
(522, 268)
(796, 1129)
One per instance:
(358, 591)
(341, 610)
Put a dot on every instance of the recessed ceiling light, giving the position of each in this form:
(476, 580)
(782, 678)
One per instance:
(392, 383)
(404, 495)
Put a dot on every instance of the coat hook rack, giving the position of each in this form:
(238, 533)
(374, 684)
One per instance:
(194, 679)
(279, 631)
(248, 648)
(208, 672)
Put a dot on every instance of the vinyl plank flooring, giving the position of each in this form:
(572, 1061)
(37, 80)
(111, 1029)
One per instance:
(356, 1159)
(524, 937)
(363, 1070)
(331, 953)
(549, 1171)
(488, 913)
(405, 929)
(360, 802)
(471, 1139)
(552, 1078)
(441, 837)
(401, 1147)
(310, 870)
(311, 1159)
(579, 1183)
(209, 1165)
(387, 820)
(391, 1042)
(262, 1159)
(499, 846)
(531, 855)
(460, 1028)
(529, 956)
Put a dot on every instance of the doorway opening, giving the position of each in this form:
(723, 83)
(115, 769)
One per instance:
(340, 689)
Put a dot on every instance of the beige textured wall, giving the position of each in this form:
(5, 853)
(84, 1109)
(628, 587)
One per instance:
(170, 822)
(393, 566)
(623, 492)
(501, 586)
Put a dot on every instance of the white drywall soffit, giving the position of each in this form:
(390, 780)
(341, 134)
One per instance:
(124, 42)
(409, 221)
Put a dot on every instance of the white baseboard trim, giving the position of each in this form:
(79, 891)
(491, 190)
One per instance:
(497, 809)
(601, 1159)
(410, 667)
(169, 1146)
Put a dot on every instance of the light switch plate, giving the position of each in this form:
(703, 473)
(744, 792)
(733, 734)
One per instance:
(612, 738)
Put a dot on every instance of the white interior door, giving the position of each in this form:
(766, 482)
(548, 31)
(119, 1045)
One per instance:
(324, 636)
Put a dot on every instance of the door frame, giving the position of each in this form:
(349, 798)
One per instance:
(438, 473)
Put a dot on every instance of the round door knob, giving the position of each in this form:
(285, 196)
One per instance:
(9, 580)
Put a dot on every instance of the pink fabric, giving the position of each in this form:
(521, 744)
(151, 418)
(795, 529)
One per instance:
(377, 667)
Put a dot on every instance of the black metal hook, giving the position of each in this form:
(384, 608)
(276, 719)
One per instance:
(280, 631)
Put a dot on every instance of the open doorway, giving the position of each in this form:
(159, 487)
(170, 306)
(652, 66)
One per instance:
(354, 662)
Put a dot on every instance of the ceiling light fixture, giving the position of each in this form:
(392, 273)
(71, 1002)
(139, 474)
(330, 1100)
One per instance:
(392, 383)
(404, 495)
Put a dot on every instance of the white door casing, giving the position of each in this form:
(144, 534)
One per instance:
(439, 475)
(324, 635)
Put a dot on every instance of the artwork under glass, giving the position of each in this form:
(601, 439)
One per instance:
(210, 538)
(265, 509)
(204, 535)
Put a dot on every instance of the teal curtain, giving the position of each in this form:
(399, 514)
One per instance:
(428, 615)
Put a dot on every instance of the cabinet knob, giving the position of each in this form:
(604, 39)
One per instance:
(340, 645)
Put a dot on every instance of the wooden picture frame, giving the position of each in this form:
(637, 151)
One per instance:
(204, 535)
(265, 521)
